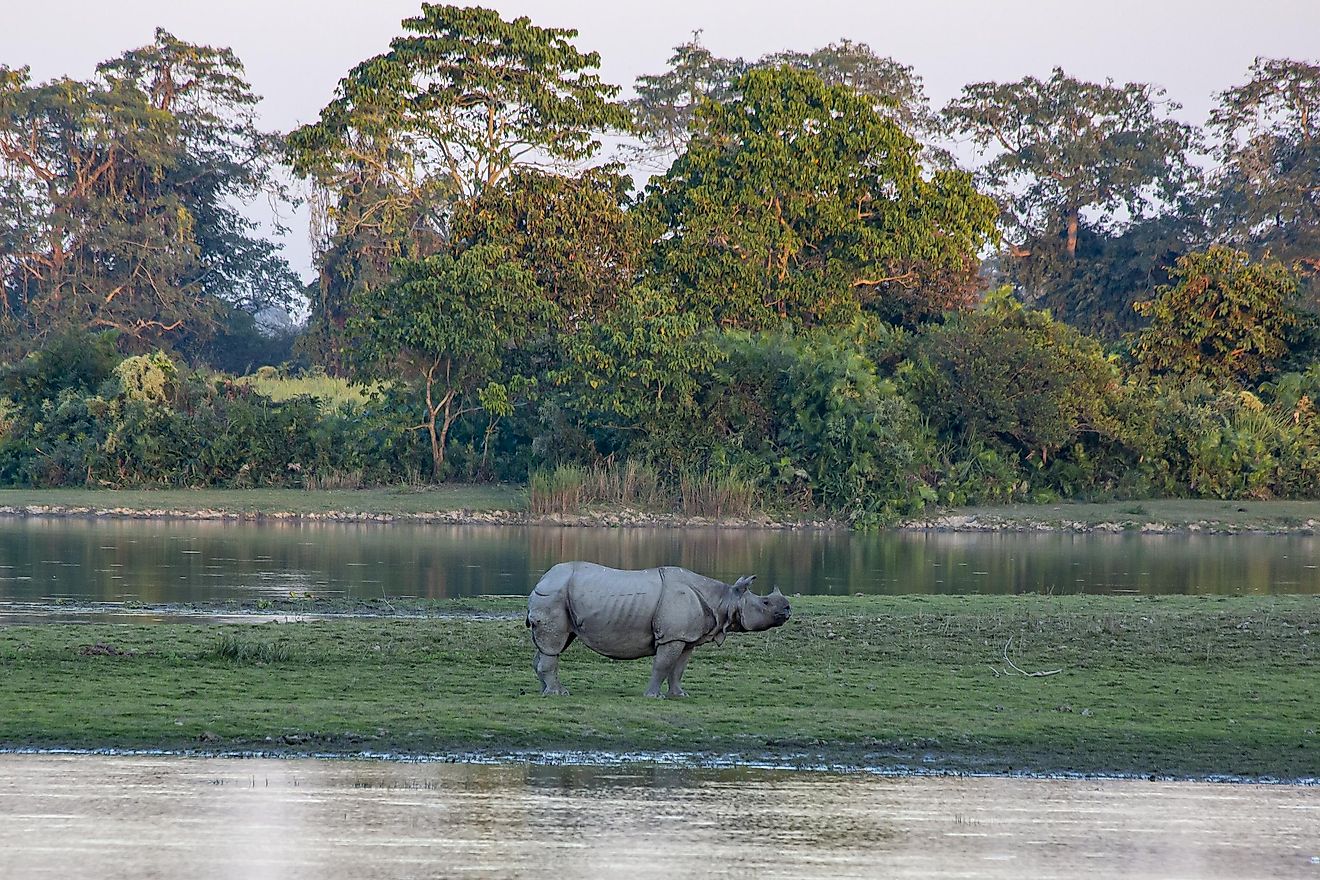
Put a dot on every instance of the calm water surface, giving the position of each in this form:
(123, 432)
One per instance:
(70, 560)
(135, 817)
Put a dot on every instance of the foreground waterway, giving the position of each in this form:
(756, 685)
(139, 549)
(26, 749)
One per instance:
(159, 816)
(62, 562)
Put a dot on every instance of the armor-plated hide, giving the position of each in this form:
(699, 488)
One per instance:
(664, 612)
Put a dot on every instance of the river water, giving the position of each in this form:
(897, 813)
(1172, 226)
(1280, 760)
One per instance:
(47, 561)
(139, 817)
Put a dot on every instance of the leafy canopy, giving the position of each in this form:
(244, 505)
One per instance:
(117, 205)
(1268, 133)
(797, 200)
(1065, 146)
(1225, 318)
(466, 96)
(573, 233)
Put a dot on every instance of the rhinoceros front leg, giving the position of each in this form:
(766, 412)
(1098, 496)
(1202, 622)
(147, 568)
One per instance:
(547, 669)
(550, 636)
(676, 674)
(666, 658)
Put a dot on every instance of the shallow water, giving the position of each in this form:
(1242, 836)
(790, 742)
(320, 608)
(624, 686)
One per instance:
(200, 818)
(78, 561)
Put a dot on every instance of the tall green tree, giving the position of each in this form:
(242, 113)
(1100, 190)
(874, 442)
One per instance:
(1267, 191)
(117, 205)
(632, 377)
(443, 328)
(1070, 161)
(798, 201)
(461, 98)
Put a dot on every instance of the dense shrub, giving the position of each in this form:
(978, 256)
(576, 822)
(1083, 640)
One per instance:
(1014, 374)
(1216, 443)
(811, 415)
(74, 361)
(150, 424)
(868, 422)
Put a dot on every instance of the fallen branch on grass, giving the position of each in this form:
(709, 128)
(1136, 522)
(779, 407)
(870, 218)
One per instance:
(1018, 669)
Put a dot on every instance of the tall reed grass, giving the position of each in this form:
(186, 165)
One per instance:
(334, 480)
(568, 488)
(632, 483)
(557, 490)
(716, 495)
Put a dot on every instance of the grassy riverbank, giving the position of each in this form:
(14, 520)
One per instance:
(1170, 685)
(506, 503)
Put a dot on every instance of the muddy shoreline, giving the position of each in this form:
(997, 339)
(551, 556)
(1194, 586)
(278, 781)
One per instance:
(991, 523)
(625, 518)
(1048, 520)
(931, 765)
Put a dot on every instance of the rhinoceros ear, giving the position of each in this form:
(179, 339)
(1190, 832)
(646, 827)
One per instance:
(775, 591)
(741, 585)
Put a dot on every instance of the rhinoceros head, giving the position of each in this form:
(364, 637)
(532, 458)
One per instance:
(756, 613)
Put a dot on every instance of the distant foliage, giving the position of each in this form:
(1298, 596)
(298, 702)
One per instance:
(1214, 443)
(1268, 140)
(812, 415)
(331, 391)
(149, 423)
(118, 200)
(792, 314)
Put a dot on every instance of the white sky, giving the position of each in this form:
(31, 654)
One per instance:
(295, 51)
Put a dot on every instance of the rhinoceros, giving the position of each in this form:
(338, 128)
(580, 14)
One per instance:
(663, 612)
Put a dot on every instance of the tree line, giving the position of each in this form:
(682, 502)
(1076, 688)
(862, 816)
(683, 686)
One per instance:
(809, 296)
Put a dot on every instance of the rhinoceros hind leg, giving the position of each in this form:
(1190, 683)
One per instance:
(666, 656)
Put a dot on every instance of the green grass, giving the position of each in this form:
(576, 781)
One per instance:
(1176, 685)
(379, 500)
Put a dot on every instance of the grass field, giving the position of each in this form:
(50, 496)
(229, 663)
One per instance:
(1169, 685)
